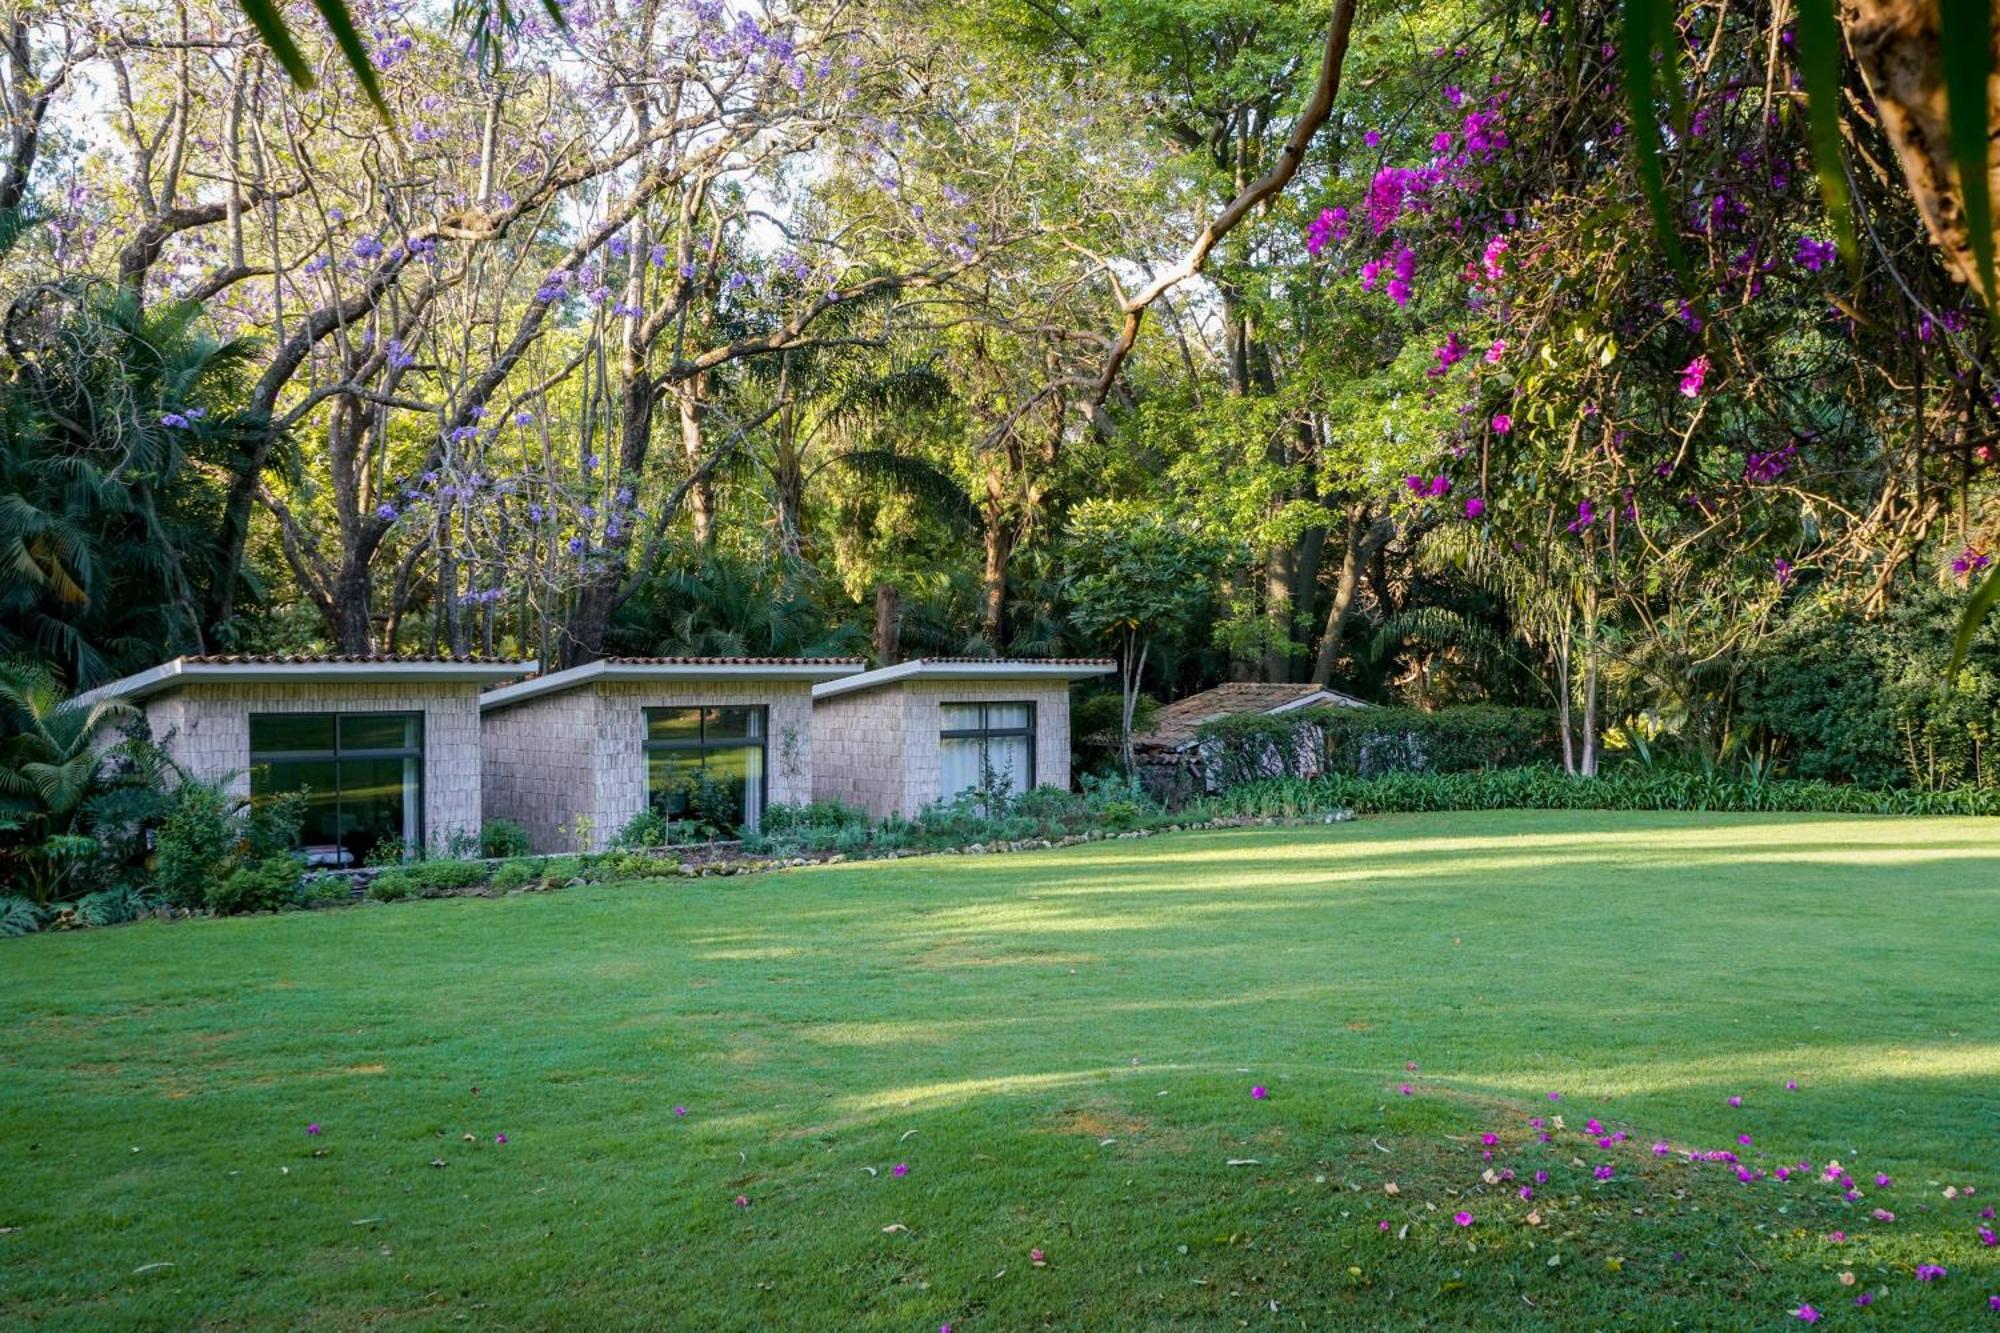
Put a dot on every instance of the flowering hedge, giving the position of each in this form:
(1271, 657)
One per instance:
(1548, 789)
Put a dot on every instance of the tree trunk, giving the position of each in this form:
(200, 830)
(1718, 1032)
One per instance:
(353, 596)
(1362, 537)
(1132, 669)
(701, 496)
(888, 625)
(999, 540)
(1898, 45)
(1279, 614)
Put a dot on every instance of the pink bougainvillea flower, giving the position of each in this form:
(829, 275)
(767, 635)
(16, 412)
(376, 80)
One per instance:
(1852, 1196)
(1605, 1171)
(1986, 1213)
(1038, 1259)
(1791, 1085)
(1783, 1173)
(899, 1170)
(1838, 1237)
(1882, 1180)
(1259, 1093)
(1410, 1065)
(1736, 1101)
(1593, 1126)
(1463, 1218)
(680, 1111)
(1405, 1090)
(1993, 1302)
(1743, 1139)
(742, 1201)
(1527, 1191)
(1534, 1122)
(944, 1328)
(1807, 1313)
(1489, 1138)
(1555, 1096)
(1929, 1272)
(1883, 1215)
(499, 1138)
(313, 1129)
(1693, 376)
(1541, 1177)
(1383, 1225)
(1502, 423)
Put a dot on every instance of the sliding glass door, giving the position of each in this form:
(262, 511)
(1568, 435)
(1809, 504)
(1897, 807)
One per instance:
(362, 774)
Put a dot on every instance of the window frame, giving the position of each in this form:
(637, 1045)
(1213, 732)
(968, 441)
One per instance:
(984, 733)
(336, 755)
(701, 745)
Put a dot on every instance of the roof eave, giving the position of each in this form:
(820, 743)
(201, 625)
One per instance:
(591, 672)
(180, 674)
(922, 670)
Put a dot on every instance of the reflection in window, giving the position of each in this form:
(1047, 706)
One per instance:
(986, 747)
(362, 774)
(707, 756)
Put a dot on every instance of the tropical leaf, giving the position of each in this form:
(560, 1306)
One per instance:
(916, 478)
(1983, 601)
(1966, 48)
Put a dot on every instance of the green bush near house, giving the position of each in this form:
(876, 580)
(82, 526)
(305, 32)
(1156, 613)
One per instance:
(426, 878)
(502, 838)
(263, 886)
(1367, 742)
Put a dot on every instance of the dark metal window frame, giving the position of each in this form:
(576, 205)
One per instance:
(701, 746)
(337, 755)
(984, 732)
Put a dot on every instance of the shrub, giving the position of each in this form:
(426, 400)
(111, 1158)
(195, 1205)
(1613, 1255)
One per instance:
(651, 827)
(1370, 741)
(1549, 789)
(502, 838)
(18, 916)
(518, 874)
(325, 891)
(113, 907)
(426, 879)
(261, 886)
(195, 842)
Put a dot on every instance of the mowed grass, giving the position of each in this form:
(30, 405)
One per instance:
(1061, 1047)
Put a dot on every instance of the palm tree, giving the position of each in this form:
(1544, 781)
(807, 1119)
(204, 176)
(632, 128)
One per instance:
(108, 521)
(50, 766)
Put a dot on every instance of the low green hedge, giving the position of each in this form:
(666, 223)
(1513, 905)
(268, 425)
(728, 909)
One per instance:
(1550, 789)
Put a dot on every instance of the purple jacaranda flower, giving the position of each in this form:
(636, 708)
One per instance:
(1527, 1191)
(367, 248)
(1661, 1149)
(1462, 1217)
(1541, 1177)
(680, 1111)
(1929, 1272)
(313, 1129)
(1993, 1303)
(1555, 1096)
(1814, 255)
(499, 1138)
(1882, 1180)
(1605, 1171)
(174, 420)
(1736, 1101)
(899, 1170)
(1791, 1085)
(1807, 1313)
(1865, 1299)
(576, 546)
(387, 513)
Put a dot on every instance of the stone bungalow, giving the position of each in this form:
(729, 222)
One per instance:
(573, 755)
(894, 740)
(387, 748)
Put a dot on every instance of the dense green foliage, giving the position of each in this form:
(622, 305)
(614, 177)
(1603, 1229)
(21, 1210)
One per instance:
(979, 1019)
(1365, 742)
(1550, 789)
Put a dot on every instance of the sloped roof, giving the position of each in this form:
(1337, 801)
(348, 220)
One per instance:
(285, 669)
(809, 669)
(1174, 726)
(970, 668)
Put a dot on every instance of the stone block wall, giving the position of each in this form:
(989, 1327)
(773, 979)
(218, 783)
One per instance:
(858, 750)
(879, 749)
(539, 768)
(206, 728)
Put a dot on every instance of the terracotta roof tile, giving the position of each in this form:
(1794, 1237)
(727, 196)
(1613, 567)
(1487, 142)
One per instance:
(1174, 725)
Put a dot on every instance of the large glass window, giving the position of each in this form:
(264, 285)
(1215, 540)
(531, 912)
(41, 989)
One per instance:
(988, 747)
(362, 774)
(707, 764)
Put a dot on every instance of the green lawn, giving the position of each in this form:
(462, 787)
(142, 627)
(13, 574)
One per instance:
(1061, 1047)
